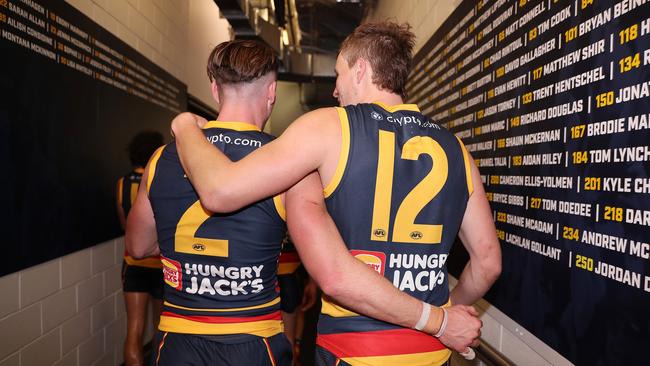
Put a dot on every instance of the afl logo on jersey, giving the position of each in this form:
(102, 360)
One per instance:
(416, 235)
(380, 233)
(198, 247)
(376, 116)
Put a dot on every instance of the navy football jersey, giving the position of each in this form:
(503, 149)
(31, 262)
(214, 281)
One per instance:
(127, 190)
(398, 198)
(219, 269)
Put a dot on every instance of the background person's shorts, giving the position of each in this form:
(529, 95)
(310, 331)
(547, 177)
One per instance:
(142, 279)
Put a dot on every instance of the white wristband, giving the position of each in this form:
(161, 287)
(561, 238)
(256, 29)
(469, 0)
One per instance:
(424, 317)
(443, 325)
(469, 354)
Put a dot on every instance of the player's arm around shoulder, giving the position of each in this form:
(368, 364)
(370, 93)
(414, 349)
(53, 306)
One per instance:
(224, 186)
(140, 235)
(202, 162)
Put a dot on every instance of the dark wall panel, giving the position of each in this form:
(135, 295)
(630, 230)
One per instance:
(552, 98)
(72, 96)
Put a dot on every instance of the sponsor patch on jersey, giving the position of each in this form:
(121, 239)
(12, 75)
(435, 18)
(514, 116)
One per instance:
(172, 273)
(376, 116)
(376, 260)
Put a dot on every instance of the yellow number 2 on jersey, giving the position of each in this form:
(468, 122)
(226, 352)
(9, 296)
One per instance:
(186, 241)
(405, 229)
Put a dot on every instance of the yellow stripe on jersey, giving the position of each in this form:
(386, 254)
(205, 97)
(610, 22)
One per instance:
(383, 186)
(468, 170)
(185, 239)
(434, 358)
(260, 306)
(237, 126)
(263, 328)
(120, 182)
(338, 311)
(134, 191)
(334, 310)
(287, 268)
(277, 201)
(398, 107)
(345, 151)
(149, 262)
(152, 166)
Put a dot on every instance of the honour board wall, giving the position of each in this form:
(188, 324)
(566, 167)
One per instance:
(73, 96)
(552, 99)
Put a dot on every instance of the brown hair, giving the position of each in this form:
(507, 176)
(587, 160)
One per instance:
(240, 61)
(388, 47)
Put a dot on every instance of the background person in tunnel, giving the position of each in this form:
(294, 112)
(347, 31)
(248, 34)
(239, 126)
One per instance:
(142, 281)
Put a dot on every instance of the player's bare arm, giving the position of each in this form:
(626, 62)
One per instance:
(141, 237)
(224, 186)
(352, 283)
(478, 234)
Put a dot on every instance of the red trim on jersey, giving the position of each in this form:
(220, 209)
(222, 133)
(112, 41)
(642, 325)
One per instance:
(225, 319)
(289, 257)
(379, 343)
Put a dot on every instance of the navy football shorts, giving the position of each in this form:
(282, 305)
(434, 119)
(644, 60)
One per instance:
(175, 349)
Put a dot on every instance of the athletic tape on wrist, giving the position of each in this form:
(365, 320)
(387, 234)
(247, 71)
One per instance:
(443, 325)
(424, 317)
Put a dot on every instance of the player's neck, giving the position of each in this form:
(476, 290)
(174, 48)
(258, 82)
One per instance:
(382, 96)
(242, 113)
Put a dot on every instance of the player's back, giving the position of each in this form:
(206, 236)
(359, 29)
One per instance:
(220, 269)
(398, 206)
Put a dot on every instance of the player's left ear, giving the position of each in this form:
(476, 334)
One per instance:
(271, 91)
(360, 69)
(215, 91)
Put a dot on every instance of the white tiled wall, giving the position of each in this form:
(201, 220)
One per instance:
(67, 311)
(425, 16)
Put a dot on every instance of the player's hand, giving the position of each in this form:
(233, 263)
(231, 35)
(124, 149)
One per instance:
(309, 295)
(463, 328)
(186, 119)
